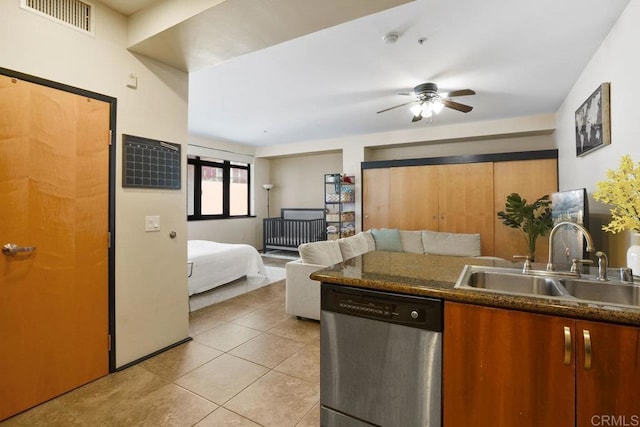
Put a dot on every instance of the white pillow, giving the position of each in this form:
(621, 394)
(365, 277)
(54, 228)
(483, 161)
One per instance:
(456, 244)
(324, 253)
(411, 241)
(353, 246)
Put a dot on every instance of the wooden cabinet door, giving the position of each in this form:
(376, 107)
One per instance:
(466, 201)
(505, 368)
(376, 206)
(413, 198)
(531, 179)
(609, 387)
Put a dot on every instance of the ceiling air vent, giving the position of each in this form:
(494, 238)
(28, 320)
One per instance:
(74, 13)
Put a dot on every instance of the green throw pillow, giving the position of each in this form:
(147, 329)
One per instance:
(387, 239)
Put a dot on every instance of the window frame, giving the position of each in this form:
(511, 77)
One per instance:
(226, 166)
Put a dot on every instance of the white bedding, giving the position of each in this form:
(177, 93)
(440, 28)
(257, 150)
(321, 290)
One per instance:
(213, 264)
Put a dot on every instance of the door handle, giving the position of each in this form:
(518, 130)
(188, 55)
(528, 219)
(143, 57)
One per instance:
(587, 348)
(11, 249)
(567, 345)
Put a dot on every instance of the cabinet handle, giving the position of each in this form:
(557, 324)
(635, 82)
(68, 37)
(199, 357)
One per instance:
(567, 345)
(587, 348)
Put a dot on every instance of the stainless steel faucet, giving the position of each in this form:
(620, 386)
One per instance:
(603, 263)
(554, 230)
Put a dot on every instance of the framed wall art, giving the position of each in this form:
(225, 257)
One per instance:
(593, 122)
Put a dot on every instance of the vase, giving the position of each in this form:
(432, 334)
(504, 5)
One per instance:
(633, 254)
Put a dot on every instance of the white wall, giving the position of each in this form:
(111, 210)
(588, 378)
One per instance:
(151, 284)
(474, 146)
(299, 181)
(615, 61)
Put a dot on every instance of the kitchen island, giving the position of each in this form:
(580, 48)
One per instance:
(515, 360)
(436, 275)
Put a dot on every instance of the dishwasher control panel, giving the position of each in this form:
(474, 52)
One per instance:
(409, 310)
(350, 305)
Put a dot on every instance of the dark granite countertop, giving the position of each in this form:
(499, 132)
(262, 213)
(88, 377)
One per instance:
(435, 276)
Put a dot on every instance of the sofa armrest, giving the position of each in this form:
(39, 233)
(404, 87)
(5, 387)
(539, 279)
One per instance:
(302, 293)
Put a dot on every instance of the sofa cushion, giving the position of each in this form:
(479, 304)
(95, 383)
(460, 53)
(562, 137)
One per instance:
(371, 243)
(456, 244)
(321, 253)
(411, 241)
(353, 246)
(387, 239)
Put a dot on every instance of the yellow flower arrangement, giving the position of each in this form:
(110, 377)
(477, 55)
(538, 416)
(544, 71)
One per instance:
(622, 190)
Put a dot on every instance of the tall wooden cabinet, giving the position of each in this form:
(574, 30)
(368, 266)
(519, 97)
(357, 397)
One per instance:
(509, 368)
(458, 197)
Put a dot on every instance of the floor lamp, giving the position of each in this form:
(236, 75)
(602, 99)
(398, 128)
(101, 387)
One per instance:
(268, 187)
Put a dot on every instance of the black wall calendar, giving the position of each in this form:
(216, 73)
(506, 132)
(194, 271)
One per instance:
(149, 163)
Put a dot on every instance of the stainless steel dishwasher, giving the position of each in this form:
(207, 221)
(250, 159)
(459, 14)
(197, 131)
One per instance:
(380, 358)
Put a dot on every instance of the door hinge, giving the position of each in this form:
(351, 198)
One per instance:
(109, 240)
(110, 136)
(109, 343)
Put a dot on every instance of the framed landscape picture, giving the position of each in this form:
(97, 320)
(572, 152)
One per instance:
(593, 123)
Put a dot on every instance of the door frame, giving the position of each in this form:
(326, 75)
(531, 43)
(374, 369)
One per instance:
(112, 187)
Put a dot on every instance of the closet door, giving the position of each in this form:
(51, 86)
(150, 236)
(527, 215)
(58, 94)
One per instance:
(531, 179)
(376, 207)
(414, 198)
(466, 201)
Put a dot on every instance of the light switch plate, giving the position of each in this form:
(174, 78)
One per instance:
(152, 223)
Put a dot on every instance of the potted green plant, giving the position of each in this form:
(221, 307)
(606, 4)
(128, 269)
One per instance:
(532, 219)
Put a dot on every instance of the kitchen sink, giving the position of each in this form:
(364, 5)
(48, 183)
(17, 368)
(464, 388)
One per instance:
(603, 292)
(510, 281)
(550, 285)
(515, 283)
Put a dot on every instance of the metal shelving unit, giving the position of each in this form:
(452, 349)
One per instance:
(339, 203)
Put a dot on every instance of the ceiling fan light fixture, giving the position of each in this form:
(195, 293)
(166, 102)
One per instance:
(416, 110)
(437, 106)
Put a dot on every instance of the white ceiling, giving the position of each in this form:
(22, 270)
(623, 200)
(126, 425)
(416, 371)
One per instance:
(521, 57)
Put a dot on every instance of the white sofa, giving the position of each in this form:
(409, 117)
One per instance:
(303, 294)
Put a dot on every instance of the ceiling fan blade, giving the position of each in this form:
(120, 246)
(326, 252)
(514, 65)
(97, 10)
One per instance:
(456, 105)
(407, 94)
(396, 106)
(416, 118)
(461, 92)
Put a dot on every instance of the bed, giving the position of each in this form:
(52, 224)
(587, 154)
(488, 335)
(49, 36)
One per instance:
(211, 264)
(294, 227)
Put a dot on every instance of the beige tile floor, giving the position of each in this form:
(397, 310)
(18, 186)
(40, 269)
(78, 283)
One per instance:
(249, 364)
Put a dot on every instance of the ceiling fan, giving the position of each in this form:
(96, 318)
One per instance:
(428, 101)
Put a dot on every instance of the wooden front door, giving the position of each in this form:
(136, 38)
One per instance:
(54, 173)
